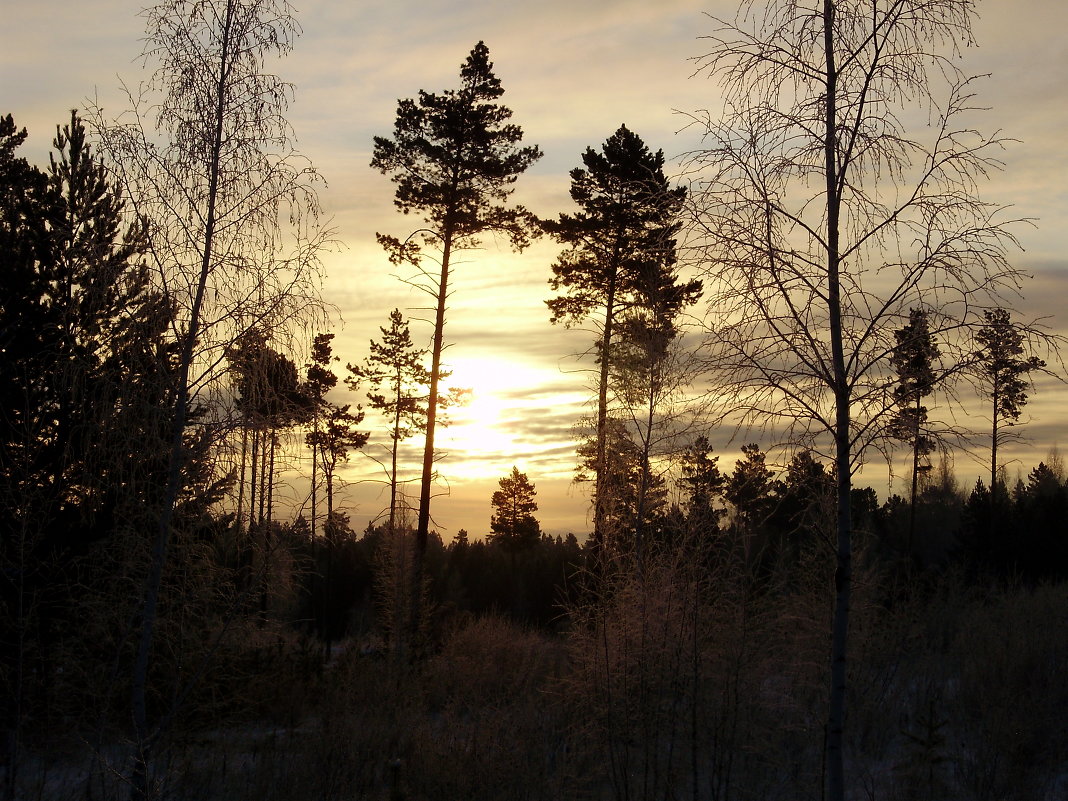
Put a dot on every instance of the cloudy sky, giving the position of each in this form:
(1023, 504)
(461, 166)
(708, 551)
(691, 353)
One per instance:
(573, 72)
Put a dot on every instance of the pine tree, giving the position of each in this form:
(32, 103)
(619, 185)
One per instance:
(399, 388)
(27, 200)
(622, 483)
(84, 344)
(1002, 373)
(85, 361)
(454, 158)
(751, 490)
(319, 380)
(805, 498)
(336, 440)
(80, 329)
(512, 522)
(646, 371)
(270, 398)
(623, 233)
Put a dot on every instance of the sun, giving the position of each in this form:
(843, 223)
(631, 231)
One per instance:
(500, 420)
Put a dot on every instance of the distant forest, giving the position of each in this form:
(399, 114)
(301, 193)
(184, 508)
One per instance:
(188, 613)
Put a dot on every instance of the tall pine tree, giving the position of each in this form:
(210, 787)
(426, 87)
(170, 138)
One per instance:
(625, 224)
(1002, 370)
(454, 158)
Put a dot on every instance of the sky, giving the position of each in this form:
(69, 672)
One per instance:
(573, 72)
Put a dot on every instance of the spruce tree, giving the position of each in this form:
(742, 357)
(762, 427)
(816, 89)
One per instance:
(914, 357)
(85, 358)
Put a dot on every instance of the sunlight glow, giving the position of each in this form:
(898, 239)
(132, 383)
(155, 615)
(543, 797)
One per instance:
(509, 407)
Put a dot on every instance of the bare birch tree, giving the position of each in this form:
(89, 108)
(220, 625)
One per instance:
(837, 191)
(206, 156)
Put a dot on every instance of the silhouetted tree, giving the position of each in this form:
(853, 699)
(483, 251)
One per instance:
(751, 490)
(336, 436)
(319, 380)
(1003, 376)
(703, 484)
(622, 236)
(513, 523)
(233, 220)
(81, 331)
(270, 398)
(336, 440)
(914, 358)
(400, 385)
(621, 487)
(937, 514)
(803, 510)
(1041, 525)
(454, 158)
(648, 369)
(85, 362)
(987, 533)
(837, 190)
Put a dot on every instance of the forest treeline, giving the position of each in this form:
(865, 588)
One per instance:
(188, 612)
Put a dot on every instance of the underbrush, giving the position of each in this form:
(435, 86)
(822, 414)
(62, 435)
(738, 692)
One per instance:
(675, 685)
(480, 719)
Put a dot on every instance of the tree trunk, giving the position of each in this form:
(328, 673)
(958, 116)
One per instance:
(643, 487)
(915, 480)
(270, 477)
(268, 532)
(423, 531)
(393, 458)
(843, 556)
(995, 395)
(241, 480)
(14, 725)
(330, 539)
(314, 475)
(600, 482)
(253, 478)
